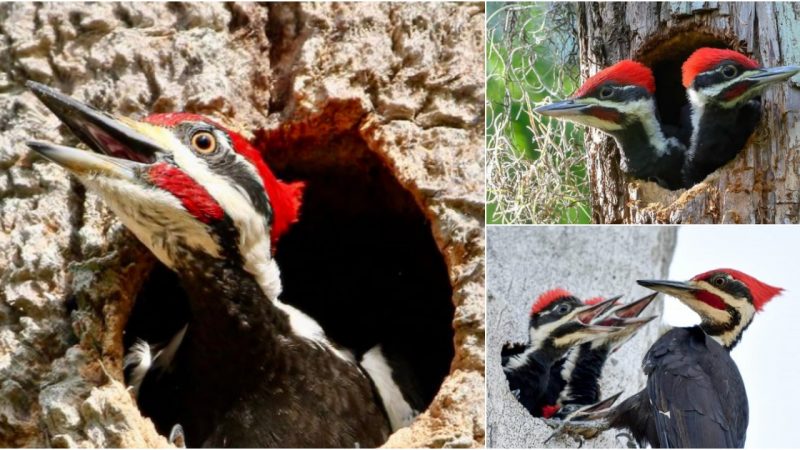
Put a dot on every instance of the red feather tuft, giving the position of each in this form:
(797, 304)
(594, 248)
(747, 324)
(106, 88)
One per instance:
(285, 198)
(594, 300)
(625, 72)
(707, 58)
(547, 298)
(760, 291)
(549, 410)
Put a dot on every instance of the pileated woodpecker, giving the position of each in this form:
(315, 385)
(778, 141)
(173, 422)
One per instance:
(255, 372)
(695, 396)
(619, 101)
(575, 379)
(558, 322)
(723, 87)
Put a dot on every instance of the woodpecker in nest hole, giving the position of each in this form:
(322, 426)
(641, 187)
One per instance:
(575, 379)
(695, 396)
(558, 322)
(253, 371)
(723, 88)
(620, 101)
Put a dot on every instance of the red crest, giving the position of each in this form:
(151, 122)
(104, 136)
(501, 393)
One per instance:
(706, 58)
(761, 292)
(625, 72)
(547, 298)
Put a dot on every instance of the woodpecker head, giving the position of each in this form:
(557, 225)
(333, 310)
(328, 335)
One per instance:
(560, 320)
(728, 78)
(725, 299)
(183, 184)
(610, 100)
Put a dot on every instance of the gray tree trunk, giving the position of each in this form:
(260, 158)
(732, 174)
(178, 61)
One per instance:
(523, 262)
(761, 184)
(403, 81)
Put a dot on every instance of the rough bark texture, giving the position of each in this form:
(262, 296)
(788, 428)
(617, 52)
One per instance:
(761, 184)
(404, 80)
(522, 263)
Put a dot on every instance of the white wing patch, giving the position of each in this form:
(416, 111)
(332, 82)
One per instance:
(397, 408)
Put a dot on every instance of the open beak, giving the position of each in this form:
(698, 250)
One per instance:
(588, 313)
(633, 309)
(763, 77)
(121, 144)
(564, 108)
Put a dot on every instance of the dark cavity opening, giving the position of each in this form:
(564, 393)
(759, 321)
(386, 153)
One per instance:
(362, 261)
(665, 56)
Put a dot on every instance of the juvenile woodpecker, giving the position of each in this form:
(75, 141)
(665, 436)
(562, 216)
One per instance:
(695, 396)
(255, 372)
(575, 379)
(723, 88)
(558, 322)
(620, 101)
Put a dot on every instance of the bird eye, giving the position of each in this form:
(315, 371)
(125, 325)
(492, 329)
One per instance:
(729, 71)
(606, 92)
(204, 142)
(562, 309)
(719, 281)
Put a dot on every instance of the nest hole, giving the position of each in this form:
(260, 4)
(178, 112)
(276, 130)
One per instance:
(665, 56)
(362, 261)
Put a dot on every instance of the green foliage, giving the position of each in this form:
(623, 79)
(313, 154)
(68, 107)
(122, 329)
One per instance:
(536, 170)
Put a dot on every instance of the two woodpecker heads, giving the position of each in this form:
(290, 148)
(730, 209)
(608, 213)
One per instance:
(617, 94)
(180, 182)
(725, 299)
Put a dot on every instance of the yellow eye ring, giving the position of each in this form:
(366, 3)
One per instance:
(204, 142)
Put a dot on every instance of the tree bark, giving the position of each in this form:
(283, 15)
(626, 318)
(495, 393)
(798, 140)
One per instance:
(402, 82)
(761, 184)
(523, 262)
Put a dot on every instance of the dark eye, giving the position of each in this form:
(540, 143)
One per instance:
(562, 309)
(718, 281)
(729, 71)
(606, 92)
(204, 142)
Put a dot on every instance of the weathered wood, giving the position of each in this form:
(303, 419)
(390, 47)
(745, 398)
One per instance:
(758, 186)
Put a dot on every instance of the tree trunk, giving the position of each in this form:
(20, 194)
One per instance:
(587, 261)
(761, 184)
(328, 83)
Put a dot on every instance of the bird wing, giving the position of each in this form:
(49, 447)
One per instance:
(696, 392)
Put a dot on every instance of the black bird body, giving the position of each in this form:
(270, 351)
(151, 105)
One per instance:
(694, 398)
(721, 134)
(252, 381)
(646, 160)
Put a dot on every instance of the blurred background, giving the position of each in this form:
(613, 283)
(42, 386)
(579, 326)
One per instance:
(531, 58)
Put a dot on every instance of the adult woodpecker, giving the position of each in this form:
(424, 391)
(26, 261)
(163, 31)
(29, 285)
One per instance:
(620, 101)
(575, 379)
(723, 88)
(558, 321)
(695, 396)
(255, 371)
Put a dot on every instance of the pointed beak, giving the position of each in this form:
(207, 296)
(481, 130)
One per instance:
(564, 108)
(121, 144)
(633, 309)
(674, 288)
(763, 77)
(588, 313)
